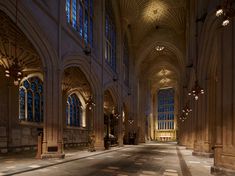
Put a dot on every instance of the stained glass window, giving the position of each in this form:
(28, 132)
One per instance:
(74, 14)
(37, 107)
(79, 14)
(67, 9)
(110, 35)
(30, 100)
(74, 111)
(166, 109)
(22, 103)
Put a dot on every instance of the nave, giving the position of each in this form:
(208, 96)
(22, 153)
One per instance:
(158, 159)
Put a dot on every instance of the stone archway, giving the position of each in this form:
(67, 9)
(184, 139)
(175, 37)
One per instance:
(111, 120)
(79, 123)
(20, 131)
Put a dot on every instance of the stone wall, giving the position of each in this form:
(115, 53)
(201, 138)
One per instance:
(75, 137)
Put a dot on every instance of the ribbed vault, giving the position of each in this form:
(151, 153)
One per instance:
(74, 79)
(13, 43)
(155, 23)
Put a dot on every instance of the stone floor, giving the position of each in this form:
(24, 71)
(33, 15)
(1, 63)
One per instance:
(163, 159)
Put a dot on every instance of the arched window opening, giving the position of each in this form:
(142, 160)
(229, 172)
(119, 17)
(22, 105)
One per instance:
(166, 109)
(126, 61)
(31, 100)
(79, 14)
(73, 111)
(110, 36)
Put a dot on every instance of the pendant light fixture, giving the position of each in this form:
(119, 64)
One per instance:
(90, 102)
(226, 12)
(15, 70)
(196, 90)
(186, 110)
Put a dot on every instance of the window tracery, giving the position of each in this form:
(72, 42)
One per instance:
(73, 111)
(79, 14)
(166, 109)
(110, 37)
(31, 100)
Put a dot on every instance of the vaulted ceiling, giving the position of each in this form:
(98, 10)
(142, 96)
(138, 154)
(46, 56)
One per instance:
(13, 43)
(155, 23)
(75, 80)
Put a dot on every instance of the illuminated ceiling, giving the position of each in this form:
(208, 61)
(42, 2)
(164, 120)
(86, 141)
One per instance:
(14, 42)
(156, 23)
(75, 79)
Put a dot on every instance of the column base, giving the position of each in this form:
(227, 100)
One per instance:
(204, 154)
(222, 171)
(99, 145)
(52, 155)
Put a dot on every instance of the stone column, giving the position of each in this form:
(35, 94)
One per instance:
(99, 121)
(225, 142)
(53, 124)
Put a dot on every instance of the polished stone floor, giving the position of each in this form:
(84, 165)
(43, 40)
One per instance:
(163, 159)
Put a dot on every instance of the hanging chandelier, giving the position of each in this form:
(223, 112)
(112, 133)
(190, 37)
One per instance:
(196, 91)
(159, 48)
(90, 103)
(186, 110)
(131, 121)
(15, 70)
(115, 113)
(226, 12)
(183, 117)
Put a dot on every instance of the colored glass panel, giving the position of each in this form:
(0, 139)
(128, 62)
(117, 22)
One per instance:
(74, 13)
(30, 106)
(37, 107)
(22, 104)
(166, 108)
(67, 9)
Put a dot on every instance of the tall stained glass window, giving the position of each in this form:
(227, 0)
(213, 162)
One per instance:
(110, 36)
(79, 14)
(73, 111)
(31, 100)
(166, 109)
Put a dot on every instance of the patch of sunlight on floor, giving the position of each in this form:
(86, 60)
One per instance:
(90, 158)
(149, 172)
(11, 167)
(9, 161)
(109, 156)
(171, 170)
(170, 174)
(34, 166)
(194, 162)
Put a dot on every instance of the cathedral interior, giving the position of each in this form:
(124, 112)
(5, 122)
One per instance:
(117, 87)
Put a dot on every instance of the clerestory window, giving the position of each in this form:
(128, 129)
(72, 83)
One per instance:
(79, 14)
